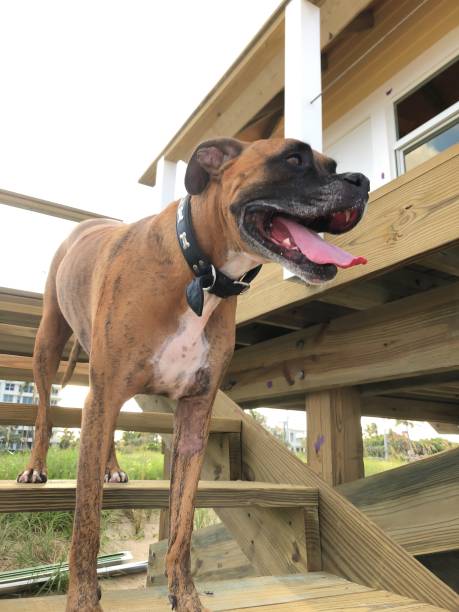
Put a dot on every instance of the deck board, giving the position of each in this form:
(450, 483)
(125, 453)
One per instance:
(312, 592)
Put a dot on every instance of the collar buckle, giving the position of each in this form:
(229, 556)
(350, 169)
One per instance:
(245, 286)
(214, 278)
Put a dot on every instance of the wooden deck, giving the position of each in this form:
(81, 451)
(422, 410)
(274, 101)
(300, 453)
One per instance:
(312, 592)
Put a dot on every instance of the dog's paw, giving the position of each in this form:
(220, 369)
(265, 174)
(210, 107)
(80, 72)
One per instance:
(115, 476)
(32, 475)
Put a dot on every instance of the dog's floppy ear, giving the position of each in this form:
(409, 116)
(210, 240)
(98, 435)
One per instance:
(207, 160)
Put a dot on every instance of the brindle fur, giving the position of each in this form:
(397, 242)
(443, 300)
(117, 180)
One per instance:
(121, 290)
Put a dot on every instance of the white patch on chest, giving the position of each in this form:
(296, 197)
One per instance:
(182, 355)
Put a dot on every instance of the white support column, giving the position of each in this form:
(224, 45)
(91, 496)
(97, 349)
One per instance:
(165, 182)
(303, 77)
(303, 83)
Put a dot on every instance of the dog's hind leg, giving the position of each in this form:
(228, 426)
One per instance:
(101, 409)
(113, 472)
(52, 335)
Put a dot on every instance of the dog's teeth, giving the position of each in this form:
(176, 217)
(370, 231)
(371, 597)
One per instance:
(348, 215)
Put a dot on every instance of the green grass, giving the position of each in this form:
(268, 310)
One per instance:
(62, 464)
(373, 465)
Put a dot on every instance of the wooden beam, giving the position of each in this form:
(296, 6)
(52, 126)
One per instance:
(416, 385)
(305, 316)
(411, 337)
(445, 428)
(23, 302)
(352, 545)
(155, 422)
(250, 83)
(408, 218)
(410, 409)
(334, 435)
(16, 367)
(20, 340)
(443, 261)
(60, 495)
(47, 208)
(17, 339)
(364, 21)
(415, 504)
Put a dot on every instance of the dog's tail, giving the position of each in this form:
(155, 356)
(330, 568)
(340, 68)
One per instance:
(73, 358)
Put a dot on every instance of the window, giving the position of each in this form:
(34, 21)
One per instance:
(26, 400)
(10, 386)
(427, 119)
(8, 398)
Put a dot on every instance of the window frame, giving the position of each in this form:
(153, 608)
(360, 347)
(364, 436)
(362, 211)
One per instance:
(430, 128)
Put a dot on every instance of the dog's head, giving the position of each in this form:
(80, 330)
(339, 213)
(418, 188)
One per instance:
(276, 196)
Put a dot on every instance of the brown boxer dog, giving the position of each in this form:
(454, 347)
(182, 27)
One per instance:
(122, 289)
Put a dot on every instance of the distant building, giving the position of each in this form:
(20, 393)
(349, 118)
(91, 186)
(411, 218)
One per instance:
(20, 437)
(295, 438)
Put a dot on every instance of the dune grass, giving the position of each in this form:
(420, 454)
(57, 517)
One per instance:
(34, 538)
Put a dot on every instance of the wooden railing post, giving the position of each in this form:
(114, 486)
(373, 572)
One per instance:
(334, 435)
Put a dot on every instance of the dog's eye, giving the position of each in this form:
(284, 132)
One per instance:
(332, 166)
(295, 160)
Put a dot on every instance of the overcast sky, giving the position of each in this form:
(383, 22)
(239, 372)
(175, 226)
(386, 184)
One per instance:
(91, 92)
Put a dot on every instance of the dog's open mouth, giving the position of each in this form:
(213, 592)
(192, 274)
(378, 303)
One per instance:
(294, 240)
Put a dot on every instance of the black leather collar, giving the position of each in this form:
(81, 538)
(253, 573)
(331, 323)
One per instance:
(207, 276)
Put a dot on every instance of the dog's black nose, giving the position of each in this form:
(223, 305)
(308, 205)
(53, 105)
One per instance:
(357, 179)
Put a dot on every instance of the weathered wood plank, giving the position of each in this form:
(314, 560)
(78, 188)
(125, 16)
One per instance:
(218, 596)
(411, 337)
(21, 414)
(215, 555)
(307, 593)
(350, 602)
(416, 504)
(60, 495)
(412, 216)
(334, 441)
(351, 544)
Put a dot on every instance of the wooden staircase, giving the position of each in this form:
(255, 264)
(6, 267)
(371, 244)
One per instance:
(311, 548)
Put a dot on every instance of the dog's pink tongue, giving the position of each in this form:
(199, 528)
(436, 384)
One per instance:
(312, 245)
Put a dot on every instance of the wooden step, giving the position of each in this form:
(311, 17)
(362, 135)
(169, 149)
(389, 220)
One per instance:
(312, 592)
(155, 422)
(60, 495)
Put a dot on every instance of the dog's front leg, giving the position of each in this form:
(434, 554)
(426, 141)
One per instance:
(191, 428)
(99, 417)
